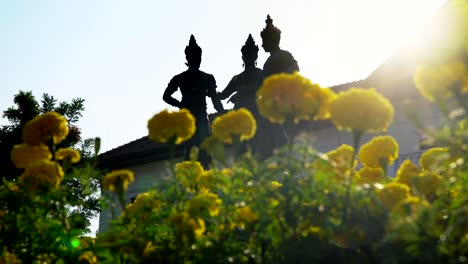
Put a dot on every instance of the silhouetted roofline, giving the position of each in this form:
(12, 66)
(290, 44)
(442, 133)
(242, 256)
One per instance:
(137, 152)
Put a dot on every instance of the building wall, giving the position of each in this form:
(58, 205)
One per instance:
(146, 176)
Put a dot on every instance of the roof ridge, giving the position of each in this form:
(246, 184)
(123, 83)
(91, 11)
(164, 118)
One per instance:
(124, 145)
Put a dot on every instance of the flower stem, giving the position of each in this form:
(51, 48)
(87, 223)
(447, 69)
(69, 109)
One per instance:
(356, 139)
(172, 148)
(237, 147)
(384, 164)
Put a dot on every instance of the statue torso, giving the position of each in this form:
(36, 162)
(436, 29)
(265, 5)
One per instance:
(195, 86)
(280, 62)
(246, 85)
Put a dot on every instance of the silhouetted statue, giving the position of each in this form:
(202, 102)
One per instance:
(194, 86)
(272, 136)
(280, 61)
(244, 86)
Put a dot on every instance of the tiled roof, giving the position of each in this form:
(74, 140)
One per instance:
(136, 152)
(143, 144)
(139, 151)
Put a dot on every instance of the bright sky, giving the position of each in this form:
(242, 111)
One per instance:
(120, 55)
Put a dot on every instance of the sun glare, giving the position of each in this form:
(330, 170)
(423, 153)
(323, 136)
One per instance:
(371, 30)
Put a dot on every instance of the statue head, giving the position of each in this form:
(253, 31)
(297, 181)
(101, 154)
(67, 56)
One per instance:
(271, 35)
(193, 54)
(249, 51)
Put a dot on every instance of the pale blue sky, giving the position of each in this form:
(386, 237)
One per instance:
(120, 55)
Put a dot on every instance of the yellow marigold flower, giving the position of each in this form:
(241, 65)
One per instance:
(276, 184)
(393, 193)
(411, 206)
(42, 173)
(246, 215)
(206, 181)
(204, 202)
(187, 226)
(274, 202)
(117, 180)
(12, 187)
(336, 162)
(45, 127)
(68, 153)
(150, 249)
(45, 258)
(144, 203)
(456, 191)
(306, 228)
(406, 173)
(234, 123)
(9, 258)
(381, 150)
(432, 158)
(272, 166)
(188, 172)
(283, 96)
(341, 157)
(428, 182)
(88, 257)
(371, 175)
(166, 126)
(227, 172)
(86, 241)
(363, 110)
(436, 81)
(326, 98)
(24, 154)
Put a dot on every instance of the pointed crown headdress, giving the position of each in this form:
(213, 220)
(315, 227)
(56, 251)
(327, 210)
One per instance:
(193, 48)
(249, 48)
(270, 31)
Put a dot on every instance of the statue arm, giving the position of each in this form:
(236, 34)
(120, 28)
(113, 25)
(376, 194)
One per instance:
(170, 90)
(217, 103)
(293, 66)
(230, 89)
(215, 98)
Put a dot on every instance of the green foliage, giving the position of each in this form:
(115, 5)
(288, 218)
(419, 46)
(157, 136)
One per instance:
(81, 184)
(297, 206)
(25, 109)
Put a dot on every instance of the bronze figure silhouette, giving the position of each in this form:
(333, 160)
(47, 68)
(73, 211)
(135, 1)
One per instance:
(280, 61)
(194, 86)
(271, 136)
(244, 86)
